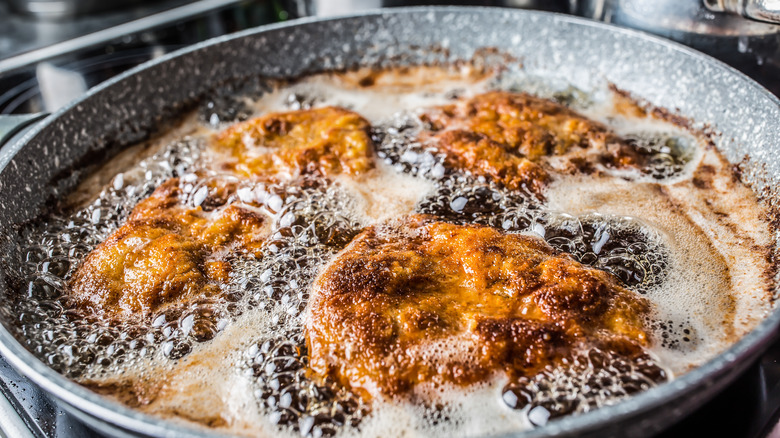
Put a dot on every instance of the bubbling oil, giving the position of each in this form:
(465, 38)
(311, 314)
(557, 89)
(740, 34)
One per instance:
(586, 381)
(619, 245)
(312, 221)
(60, 335)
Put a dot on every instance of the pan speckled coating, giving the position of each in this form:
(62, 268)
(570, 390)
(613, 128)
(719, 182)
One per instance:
(126, 109)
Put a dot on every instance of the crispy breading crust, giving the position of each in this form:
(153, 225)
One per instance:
(391, 299)
(509, 138)
(167, 253)
(324, 141)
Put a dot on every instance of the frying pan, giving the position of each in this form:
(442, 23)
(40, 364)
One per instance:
(49, 159)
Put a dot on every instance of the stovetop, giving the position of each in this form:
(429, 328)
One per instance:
(43, 65)
(40, 77)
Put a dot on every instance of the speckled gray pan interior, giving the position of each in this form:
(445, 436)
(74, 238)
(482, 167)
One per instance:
(44, 164)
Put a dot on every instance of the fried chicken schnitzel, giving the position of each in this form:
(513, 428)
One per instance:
(435, 302)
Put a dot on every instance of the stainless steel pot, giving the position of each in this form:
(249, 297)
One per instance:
(761, 10)
(48, 160)
(744, 33)
(698, 16)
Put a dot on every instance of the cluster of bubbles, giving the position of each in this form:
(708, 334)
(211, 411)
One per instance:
(398, 144)
(585, 381)
(74, 343)
(309, 228)
(278, 367)
(666, 155)
(619, 245)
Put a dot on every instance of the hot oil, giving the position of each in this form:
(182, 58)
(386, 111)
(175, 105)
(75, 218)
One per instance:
(310, 227)
(61, 336)
(260, 315)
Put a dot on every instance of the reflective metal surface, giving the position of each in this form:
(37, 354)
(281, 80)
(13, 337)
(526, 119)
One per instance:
(331, 8)
(751, 46)
(104, 36)
(33, 413)
(61, 9)
(11, 125)
(667, 16)
(761, 10)
(20, 33)
(48, 84)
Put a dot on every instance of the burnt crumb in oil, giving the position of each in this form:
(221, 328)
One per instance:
(680, 336)
(455, 93)
(367, 81)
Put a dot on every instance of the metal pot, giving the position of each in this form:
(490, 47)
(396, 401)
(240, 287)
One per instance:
(761, 10)
(694, 16)
(48, 160)
(328, 8)
(729, 30)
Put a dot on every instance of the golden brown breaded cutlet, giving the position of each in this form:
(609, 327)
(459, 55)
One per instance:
(437, 302)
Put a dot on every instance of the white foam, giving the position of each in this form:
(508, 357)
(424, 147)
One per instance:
(385, 194)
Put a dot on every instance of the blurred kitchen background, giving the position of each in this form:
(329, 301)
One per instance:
(52, 51)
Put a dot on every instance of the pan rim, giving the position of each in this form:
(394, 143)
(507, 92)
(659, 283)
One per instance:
(122, 416)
